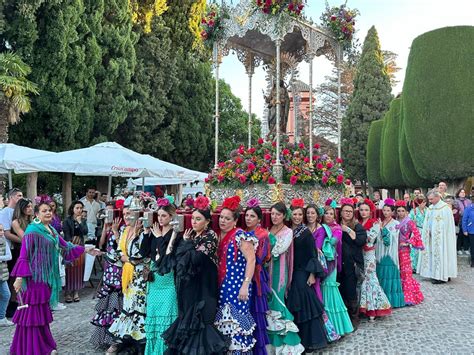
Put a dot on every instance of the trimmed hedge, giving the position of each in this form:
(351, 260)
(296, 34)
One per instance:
(409, 174)
(373, 154)
(389, 156)
(438, 104)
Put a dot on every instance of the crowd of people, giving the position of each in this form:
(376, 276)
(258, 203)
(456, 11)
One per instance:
(294, 287)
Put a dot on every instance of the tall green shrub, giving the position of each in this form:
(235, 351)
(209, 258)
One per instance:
(438, 103)
(373, 154)
(390, 162)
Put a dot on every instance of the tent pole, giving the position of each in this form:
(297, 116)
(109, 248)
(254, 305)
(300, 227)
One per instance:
(109, 188)
(143, 184)
(10, 182)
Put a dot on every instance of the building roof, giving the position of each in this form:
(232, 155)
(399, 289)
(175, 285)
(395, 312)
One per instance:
(300, 86)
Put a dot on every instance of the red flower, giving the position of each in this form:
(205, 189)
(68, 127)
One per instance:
(260, 141)
(274, 144)
(285, 151)
(297, 202)
(242, 179)
(325, 179)
(251, 150)
(211, 23)
(293, 179)
(340, 179)
(263, 170)
(203, 20)
(319, 166)
(241, 149)
(317, 146)
(232, 203)
(329, 165)
(238, 160)
(267, 157)
(306, 160)
(301, 145)
(220, 178)
(251, 166)
(221, 164)
(348, 181)
(316, 157)
(206, 180)
(339, 160)
(271, 180)
(201, 203)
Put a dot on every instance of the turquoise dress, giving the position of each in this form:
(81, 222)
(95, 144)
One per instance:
(162, 308)
(388, 267)
(417, 216)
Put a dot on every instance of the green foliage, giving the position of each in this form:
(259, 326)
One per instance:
(438, 107)
(149, 128)
(389, 156)
(370, 100)
(114, 74)
(373, 154)
(233, 123)
(409, 174)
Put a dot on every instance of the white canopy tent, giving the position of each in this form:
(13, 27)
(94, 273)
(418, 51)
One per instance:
(108, 159)
(18, 159)
(151, 181)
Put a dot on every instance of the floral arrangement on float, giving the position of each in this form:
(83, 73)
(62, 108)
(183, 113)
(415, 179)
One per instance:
(212, 24)
(340, 20)
(275, 7)
(248, 166)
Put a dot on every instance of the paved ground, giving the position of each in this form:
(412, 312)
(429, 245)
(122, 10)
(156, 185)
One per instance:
(443, 324)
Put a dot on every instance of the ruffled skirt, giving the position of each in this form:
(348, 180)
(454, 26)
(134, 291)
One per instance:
(32, 333)
(389, 278)
(411, 288)
(259, 309)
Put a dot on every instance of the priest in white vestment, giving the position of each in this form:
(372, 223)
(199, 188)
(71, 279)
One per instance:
(438, 260)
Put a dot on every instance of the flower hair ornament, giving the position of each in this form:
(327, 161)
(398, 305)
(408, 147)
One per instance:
(119, 203)
(163, 202)
(331, 202)
(346, 201)
(253, 202)
(231, 203)
(401, 203)
(297, 203)
(389, 202)
(370, 204)
(44, 198)
(201, 203)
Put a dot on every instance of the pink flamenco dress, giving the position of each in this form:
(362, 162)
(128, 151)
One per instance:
(409, 235)
(38, 266)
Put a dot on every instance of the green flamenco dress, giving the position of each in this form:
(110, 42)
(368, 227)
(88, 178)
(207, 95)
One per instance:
(327, 238)
(282, 331)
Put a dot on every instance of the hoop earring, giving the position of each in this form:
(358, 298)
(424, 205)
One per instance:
(36, 220)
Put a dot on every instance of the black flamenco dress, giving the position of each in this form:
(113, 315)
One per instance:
(302, 300)
(195, 265)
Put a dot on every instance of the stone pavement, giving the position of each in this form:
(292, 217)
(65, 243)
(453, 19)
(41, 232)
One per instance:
(442, 324)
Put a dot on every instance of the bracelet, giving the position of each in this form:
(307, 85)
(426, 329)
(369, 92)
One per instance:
(349, 230)
(247, 279)
(19, 279)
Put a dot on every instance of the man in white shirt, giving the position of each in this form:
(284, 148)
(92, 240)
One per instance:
(92, 207)
(6, 216)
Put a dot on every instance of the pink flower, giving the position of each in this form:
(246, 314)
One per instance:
(301, 145)
(238, 160)
(260, 141)
(271, 180)
(293, 179)
(267, 157)
(220, 178)
(348, 181)
(319, 166)
(242, 178)
(340, 179)
(339, 160)
(206, 180)
(251, 150)
(221, 164)
(274, 144)
(306, 160)
(317, 146)
(329, 165)
(251, 166)
(285, 151)
(263, 170)
(325, 179)
(241, 149)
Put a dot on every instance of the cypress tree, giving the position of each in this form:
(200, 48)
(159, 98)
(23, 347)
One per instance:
(370, 100)
(191, 99)
(114, 74)
(373, 154)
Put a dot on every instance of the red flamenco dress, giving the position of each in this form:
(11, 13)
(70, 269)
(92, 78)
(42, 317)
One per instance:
(409, 235)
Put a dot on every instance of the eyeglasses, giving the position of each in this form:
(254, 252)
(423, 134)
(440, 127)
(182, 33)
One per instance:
(348, 211)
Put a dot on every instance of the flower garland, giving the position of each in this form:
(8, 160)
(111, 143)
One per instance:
(254, 165)
(340, 20)
(275, 7)
(212, 24)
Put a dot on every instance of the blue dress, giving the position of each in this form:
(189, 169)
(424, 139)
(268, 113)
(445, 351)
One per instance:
(233, 316)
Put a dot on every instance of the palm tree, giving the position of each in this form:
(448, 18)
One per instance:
(15, 91)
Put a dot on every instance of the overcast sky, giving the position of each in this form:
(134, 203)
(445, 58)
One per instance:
(398, 23)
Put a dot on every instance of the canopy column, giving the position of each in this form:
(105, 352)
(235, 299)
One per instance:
(277, 167)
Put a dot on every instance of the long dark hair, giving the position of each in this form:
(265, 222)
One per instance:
(20, 215)
(257, 210)
(70, 210)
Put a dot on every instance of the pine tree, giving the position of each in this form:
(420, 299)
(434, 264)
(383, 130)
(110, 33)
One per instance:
(114, 76)
(370, 100)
